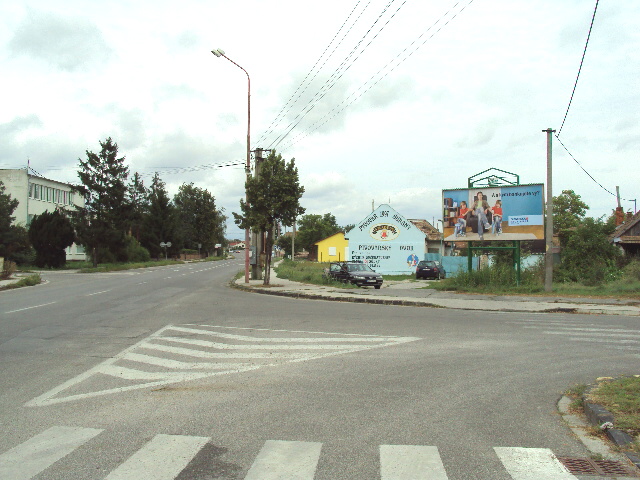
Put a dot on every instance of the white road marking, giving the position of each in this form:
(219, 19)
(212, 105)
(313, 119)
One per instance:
(163, 458)
(280, 460)
(217, 358)
(29, 308)
(234, 346)
(41, 451)
(96, 293)
(532, 464)
(406, 462)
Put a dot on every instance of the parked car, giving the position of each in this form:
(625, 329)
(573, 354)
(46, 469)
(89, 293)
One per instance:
(358, 274)
(430, 269)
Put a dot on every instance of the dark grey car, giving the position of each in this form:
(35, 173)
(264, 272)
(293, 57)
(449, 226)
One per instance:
(358, 274)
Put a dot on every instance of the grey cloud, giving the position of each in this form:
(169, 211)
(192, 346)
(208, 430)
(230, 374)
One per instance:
(18, 125)
(64, 42)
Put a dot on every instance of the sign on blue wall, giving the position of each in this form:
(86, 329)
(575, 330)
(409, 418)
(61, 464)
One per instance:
(387, 242)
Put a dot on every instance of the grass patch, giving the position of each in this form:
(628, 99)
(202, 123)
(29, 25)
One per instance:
(621, 396)
(114, 267)
(29, 281)
(307, 272)
(501, 280)
(576, 394)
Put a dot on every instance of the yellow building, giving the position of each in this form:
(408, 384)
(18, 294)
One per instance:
(333, 249)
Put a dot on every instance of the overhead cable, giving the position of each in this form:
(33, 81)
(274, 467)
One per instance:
(408, 51)
(290, 103)
(585, 171)
(580, 68)
(346, 64)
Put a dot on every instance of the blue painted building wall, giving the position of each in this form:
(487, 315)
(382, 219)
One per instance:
(387, 242)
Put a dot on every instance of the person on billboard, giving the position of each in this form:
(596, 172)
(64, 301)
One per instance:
(461, 223)
(496, 224)
(480, 209)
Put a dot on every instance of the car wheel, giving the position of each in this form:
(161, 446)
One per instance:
(377, 287)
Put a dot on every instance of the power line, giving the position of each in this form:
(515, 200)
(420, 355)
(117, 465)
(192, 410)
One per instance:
(580, 68)
(585, 171)
(382, 73)
(346, 64)
(282, 112)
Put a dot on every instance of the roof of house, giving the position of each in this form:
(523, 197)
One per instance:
(332, 235)
(425, 227)
(623, 229)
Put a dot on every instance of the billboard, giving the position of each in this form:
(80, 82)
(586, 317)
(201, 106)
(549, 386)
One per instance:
(503, 213)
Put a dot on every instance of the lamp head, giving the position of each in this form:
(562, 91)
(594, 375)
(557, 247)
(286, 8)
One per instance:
(218, 52)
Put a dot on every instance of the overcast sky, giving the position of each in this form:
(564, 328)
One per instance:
(385, 101)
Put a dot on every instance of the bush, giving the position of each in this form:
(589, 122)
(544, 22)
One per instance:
(587, 256)
(136, 252)
(8, 269)
(632, 270)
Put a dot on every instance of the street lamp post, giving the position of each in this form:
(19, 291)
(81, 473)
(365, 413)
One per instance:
(220, 53)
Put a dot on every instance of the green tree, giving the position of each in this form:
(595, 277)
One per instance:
(160, 222)
(587, 255)
(102, 222)
(284, 242)
(7, 207)
(200, 221)
(50, 234)
(568, 210)
(273, 197)
(14, 243)
(138, 204)
(313, 228)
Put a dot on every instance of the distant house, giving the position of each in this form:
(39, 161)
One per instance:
(37, 195)
(334, 248)
(433, 237)
(236, 246)
(627, 235)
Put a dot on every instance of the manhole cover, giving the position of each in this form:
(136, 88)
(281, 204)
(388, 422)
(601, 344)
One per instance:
(586, 466)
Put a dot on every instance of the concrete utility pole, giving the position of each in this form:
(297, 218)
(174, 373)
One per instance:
(257, 239)
(548, 232)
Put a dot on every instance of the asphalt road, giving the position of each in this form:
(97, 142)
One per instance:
(170, 371)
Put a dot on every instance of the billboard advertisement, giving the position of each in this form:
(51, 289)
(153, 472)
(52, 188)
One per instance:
(504, 213)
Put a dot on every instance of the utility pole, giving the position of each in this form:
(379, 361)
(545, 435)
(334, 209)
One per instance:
(548, 232)
(257, 239)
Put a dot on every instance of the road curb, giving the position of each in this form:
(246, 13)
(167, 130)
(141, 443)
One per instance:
(603, 419)
(332, 298)
(419, 303)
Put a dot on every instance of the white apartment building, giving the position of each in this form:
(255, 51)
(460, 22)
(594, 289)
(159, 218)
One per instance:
(38, 195)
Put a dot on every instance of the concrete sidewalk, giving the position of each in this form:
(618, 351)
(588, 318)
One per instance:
(409, 293)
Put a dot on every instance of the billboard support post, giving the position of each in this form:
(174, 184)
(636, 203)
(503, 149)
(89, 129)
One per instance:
(515, 249)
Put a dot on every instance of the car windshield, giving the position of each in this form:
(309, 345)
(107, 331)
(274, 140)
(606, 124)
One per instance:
(426, 263)
(358, 267)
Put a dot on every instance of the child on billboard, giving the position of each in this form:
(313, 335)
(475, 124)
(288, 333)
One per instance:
(461, 223)
(496, 224)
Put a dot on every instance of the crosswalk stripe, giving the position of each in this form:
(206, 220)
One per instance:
(41, 451)
(345, 338)
(177, 364)
(280, 460)
(234, 346)
(532, 464)
(411, 462)
(163, 458)
(203, 354)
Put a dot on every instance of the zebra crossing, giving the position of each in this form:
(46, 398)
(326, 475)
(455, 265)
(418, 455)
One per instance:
(164, 457)
(180, 353)
(614, 336)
